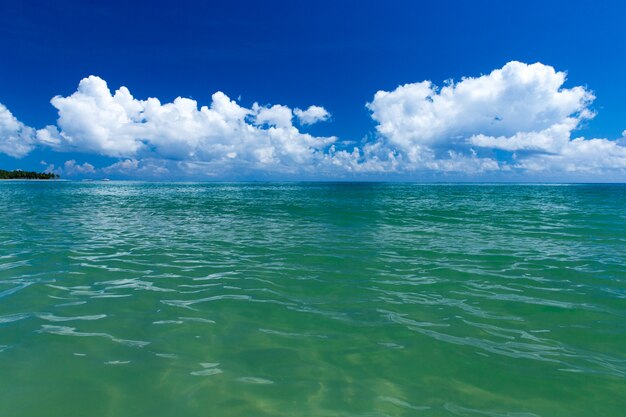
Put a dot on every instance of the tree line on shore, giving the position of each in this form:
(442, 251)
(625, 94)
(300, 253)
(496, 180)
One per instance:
(26, 175)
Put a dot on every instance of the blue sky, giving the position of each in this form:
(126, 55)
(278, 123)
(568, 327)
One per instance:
(332, 54)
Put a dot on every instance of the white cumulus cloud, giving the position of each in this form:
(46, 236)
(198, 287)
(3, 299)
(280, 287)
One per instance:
(312, 115)
(594, 156)
(16, 139)
(93, 119)
(72, 168)
(521, 108)
(500, 109)
(139, 168)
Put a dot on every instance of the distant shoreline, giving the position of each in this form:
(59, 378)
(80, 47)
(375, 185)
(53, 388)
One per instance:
(32, 179)
(18, 174)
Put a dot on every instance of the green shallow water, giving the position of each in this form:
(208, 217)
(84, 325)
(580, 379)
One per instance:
(142, 299)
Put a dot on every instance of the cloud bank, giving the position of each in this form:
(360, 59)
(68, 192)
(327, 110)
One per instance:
(521, 113)
(118, 125)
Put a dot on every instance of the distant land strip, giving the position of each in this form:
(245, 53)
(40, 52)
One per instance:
(26, 175)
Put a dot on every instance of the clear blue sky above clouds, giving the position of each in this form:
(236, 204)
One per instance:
(333, 54)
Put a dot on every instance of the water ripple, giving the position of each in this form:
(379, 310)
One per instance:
(314, 299)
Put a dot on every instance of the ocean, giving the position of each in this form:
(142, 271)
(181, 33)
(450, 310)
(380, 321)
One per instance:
(312, 299)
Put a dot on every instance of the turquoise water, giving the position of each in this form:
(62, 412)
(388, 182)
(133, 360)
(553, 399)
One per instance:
(142, 299)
